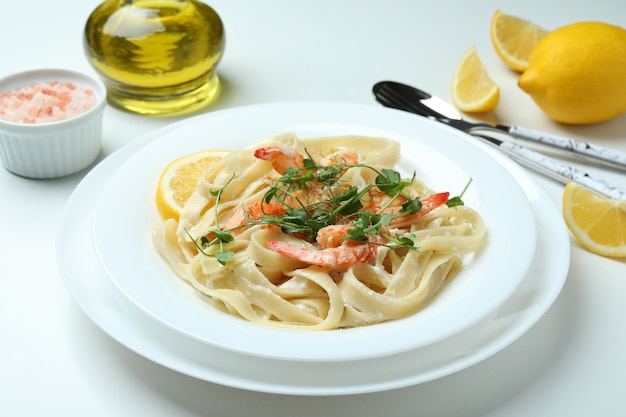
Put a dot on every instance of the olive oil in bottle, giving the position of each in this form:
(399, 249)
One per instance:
(156, 57)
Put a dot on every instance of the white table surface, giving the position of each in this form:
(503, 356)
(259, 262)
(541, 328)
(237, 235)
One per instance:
(55, 361)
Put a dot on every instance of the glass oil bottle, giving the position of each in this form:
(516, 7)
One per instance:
(156, 57)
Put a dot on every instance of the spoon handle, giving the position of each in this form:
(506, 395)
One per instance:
(557, 170)
(582, 149)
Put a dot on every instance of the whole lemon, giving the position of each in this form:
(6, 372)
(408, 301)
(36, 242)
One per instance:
(576, 74)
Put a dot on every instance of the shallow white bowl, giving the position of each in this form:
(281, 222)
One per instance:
(53, 149)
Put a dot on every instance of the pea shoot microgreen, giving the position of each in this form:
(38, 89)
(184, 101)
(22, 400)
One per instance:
(458, 201)
(336, 202)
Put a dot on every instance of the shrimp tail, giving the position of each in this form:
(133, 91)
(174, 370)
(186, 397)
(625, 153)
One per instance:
(282, 158)
(432, 202)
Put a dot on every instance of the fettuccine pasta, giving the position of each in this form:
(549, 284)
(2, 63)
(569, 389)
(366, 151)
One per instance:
(317, 234)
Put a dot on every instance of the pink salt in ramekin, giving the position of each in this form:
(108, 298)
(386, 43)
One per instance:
(58, 148)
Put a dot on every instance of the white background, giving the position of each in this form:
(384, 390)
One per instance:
(55, 361)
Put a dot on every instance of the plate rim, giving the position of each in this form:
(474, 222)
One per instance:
(329, 346)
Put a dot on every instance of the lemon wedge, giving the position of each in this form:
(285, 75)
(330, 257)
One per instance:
(472, 88)
(597, 222)
(514, 39)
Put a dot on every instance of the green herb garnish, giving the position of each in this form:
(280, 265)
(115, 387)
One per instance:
(333, 201)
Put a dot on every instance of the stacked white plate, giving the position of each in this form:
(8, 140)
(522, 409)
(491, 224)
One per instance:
(110, 266)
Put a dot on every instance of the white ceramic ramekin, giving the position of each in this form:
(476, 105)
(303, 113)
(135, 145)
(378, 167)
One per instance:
(53, 149)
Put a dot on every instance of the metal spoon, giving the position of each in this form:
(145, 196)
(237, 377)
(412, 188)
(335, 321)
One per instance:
(405, 97)
(534, 160)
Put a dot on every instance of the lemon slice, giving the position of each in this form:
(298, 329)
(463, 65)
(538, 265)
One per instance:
(597, 222)
(178, 180)
(514, 39)
(472, 88)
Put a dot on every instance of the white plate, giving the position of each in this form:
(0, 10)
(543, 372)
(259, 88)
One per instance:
(116, 315)
(125, 216)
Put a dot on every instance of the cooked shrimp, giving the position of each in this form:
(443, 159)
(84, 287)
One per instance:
(282, 158)
(335, 235)
(379, 202)
(335, 252)
(428, 204)
(251, 212)
(433, 201)
(340, 257)
(331, 236)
